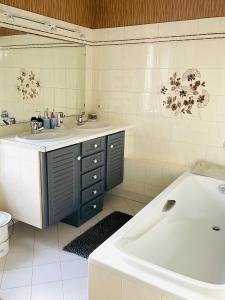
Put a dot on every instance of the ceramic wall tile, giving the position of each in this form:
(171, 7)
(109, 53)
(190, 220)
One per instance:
(105, 284)
(141, 31)
(139, 56)
(102, 282)
(110, 57)
(129, 90)
(116, 33)
(134, 291)
(210, 25)
(178, 28)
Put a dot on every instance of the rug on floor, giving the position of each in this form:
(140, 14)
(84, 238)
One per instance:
(88, 241)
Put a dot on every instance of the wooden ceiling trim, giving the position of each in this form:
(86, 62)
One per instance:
(116, 13)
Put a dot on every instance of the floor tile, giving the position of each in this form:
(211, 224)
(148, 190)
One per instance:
(74, 269)
(16, 278)
(36, 257)
(23, 229)
(21, 244)
(75, 289)
(117, 204)
(64, 228)
(2, 262)
(45, 256)
(67, 238)
(21, 293)
(104, 213)
(18, 260)
(1, 274)
(46, 242)
(135, 206)
(46, 238)
(49, 291)
(46, 273)
(67, 256)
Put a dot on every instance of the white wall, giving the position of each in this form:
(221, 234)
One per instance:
(127, 80)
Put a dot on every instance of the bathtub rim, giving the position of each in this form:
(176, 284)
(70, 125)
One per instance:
(133, 258)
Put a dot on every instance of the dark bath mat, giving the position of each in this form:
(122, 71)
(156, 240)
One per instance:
(88, 241)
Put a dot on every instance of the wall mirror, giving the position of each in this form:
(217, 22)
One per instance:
(38, 72)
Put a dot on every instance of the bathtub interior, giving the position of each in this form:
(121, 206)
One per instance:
(189, 238)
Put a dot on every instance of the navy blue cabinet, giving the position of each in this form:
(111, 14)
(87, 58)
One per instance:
(63, 182)
(114, 160)
(75, 178)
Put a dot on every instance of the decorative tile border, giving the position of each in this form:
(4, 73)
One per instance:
(183, 93)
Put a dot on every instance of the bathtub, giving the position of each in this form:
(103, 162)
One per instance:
(176, 244)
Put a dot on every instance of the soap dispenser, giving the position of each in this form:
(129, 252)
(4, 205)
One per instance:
(40, 120)
(46, 120)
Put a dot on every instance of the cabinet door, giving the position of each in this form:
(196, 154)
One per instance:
(63, 180)
(114, 160)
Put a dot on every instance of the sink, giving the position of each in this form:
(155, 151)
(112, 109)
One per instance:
(45, 135)
(94, 126)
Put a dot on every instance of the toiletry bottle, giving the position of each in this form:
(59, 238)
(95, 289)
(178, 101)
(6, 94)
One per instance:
(53, 119)
(40, 120)
(46, 119)
(58, 119)
(61, 117)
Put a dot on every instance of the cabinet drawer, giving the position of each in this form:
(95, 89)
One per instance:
(92, 177)
(92, 192)
(93, 146)
(94, 161)
(91, 209)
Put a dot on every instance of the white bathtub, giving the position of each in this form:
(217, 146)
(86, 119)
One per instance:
(180, 251)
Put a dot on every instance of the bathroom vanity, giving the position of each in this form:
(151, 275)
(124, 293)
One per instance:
(76, 177)
(43, 183)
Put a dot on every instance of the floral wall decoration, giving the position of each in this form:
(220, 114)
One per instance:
(185, 92)
(28, 85)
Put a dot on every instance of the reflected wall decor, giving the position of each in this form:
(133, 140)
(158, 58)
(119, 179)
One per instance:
(28, 85)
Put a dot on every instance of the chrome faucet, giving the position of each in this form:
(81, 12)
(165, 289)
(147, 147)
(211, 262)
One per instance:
(7, 120)
(80, 119)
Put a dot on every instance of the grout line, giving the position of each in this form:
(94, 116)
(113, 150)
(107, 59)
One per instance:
(46, 282)
(17, 287)
(3, 271)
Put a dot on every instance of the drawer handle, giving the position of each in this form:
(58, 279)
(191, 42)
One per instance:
(111, 146)
(79, 157)
(94, 206)
(94, 192)
(95, 176)
(95, 161)
(95, 146)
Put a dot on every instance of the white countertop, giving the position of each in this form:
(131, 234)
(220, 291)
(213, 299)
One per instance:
(78, 136)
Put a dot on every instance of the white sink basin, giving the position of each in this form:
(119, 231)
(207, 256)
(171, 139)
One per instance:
(45, 135)
(94, 126)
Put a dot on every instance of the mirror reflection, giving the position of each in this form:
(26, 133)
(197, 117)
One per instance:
(39, 74)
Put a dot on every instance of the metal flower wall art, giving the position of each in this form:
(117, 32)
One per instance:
(28, 85)
(184, 93)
